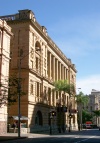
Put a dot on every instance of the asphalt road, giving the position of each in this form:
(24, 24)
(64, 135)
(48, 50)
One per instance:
(85, 136)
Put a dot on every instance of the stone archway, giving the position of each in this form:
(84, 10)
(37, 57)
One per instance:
(38, 118)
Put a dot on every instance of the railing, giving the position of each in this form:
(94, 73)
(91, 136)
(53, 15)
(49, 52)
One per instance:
(8, 17)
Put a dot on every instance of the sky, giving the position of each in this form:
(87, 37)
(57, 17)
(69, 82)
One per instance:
(74, 25)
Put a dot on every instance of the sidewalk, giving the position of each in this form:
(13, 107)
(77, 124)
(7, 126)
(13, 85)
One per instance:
(11, 136)
(14, 136)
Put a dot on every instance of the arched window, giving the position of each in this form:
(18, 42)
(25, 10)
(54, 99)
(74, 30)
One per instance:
(38, 57)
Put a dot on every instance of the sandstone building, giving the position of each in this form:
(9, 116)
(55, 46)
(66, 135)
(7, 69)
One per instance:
(5, 36)
(94, 105)
(41, 63)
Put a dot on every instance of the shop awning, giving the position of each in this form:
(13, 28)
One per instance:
(21, 118)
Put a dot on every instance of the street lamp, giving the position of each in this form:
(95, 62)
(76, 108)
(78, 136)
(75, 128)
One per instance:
(19, 89)
(79, 108)
(70, 116)
(52, 114)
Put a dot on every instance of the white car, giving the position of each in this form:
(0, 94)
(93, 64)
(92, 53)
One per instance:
(88, 126)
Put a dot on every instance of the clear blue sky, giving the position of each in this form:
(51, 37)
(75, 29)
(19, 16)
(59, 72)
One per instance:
(74, 25)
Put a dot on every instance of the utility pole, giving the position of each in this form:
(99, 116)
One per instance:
(19, 89)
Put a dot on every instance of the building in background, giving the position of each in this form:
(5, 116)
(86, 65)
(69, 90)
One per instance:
(94, 104)
(5, 36)
(42, 62)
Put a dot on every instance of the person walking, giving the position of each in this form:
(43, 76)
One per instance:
(14, 127)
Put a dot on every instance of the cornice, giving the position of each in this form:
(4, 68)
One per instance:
(43, 34)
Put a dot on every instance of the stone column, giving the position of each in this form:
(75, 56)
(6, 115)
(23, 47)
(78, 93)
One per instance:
(41, 62)
(51, 102)
(50, 65)
(60, 71)
(54, 68)
(65, 74)
(54, 98)
(34, 60)
(57, 70)
(39, 93)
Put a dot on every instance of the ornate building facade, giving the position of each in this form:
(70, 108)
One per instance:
(42, 63)
(5, 36)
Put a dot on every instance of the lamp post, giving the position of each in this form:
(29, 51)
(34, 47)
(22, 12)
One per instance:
(52, 114)
(19, 89)
(50, 118)
(70, 116)
(79, 108)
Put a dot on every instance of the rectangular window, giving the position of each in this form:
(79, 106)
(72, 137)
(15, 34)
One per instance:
(31, 64)
(45, 51)
(32, 53)
(32, 39)
(31, 89)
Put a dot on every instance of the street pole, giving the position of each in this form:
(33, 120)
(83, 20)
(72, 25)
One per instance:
(19, 88)
(81, 116)
(69, 113)
(50, 118)
(50, 127)
(70, 122)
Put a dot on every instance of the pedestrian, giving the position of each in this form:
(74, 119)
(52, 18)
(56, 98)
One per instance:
(14, 127)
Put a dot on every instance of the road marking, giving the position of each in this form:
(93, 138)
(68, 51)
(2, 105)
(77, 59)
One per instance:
(84, 140)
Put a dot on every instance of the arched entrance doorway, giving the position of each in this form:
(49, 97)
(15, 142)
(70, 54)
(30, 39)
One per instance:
(38, 118)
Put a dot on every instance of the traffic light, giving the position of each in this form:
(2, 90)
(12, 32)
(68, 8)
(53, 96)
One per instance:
(53, 113)
(64, 109)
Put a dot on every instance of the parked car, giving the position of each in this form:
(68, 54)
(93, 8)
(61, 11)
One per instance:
(88, 126)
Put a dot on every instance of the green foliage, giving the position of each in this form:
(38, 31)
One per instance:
(63, 85)
(86, 116)
(96, 112)
(9, 91)
(82, 99)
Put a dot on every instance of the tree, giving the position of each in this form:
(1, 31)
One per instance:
(9, 91)
(81, 100)
(96, 114)
(64, 85)
(86, 116)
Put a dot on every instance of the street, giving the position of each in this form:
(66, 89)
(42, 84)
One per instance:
(86, 136)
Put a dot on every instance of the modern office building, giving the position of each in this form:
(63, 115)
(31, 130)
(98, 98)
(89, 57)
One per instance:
(39, 61)
(5, 36)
